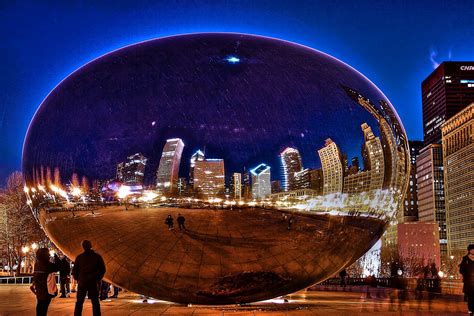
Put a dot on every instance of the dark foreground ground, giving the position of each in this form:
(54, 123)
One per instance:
(18, 300)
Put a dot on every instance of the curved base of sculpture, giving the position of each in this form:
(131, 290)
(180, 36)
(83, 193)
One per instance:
(223, 256)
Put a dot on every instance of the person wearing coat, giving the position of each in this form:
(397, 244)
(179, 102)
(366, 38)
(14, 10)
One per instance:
(169, 222)
(466, 268)
(43, 267)
(88, 270)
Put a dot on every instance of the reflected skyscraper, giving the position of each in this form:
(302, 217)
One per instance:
(373, 158)
(209, 177)
(261, 181)
(197, 156)
(371, 178)
(291, 162)
(331, 161)
(167, 173)
(236, 186)
(309, 179)
(132, 171)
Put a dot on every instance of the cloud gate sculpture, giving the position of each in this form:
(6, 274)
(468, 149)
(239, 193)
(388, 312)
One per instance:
(285, 164)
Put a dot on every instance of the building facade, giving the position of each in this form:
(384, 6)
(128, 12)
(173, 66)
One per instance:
(168, 170)
(132, 171)
(236, 186)
(309, 179)
(291, 162)
(209, 177)
(372, 154)
(431, 203)
(332, 167)
(261, 181)
(197, 156)
(445, 92)
(458, 159)
(418, 243)
(410, 204)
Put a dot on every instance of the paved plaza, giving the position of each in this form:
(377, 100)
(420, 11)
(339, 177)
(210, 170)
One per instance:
(18, 300)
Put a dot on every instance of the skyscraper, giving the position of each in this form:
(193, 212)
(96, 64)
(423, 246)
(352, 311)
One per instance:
(372, 177)
(261, 181)
(309, 179)
(373, 158)
(331, 162)
(291, 162)
(209, 177)
(458, 159)
(446, 91)
(236, 186)
(168, 169)
(410, 204)
(197, 156)
(431, 207)
(246, 185)
(132, 171)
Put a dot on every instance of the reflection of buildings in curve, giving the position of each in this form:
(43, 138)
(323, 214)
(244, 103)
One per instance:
(207, 176)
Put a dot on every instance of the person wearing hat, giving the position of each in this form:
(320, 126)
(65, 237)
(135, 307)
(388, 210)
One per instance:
(89, 269)
(466, 268)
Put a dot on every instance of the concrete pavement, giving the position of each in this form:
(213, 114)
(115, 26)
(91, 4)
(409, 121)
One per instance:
(18, 300)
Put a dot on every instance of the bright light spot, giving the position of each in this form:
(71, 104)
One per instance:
(233, 59)
(153, 123)
(148, 196)
(34, 246)
(124, 191)
(26, 189)
(75, 191)
(51, 253)
(441, 274)
(25, 249)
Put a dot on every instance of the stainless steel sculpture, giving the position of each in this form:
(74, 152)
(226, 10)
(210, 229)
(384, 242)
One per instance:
(201, 125)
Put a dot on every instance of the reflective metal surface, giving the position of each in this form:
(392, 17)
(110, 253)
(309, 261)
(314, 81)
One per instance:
(285, 163)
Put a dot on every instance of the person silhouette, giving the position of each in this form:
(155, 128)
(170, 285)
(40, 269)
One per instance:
(88, 270)
(181, 221)
(169, 222)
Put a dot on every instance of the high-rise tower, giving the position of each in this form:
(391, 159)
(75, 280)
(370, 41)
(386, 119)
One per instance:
(167, 173)
(291, 161)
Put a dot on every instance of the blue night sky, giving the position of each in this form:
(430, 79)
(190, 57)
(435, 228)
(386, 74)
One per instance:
(393, 43)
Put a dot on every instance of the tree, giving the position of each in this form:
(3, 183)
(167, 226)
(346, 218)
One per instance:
(18, 226)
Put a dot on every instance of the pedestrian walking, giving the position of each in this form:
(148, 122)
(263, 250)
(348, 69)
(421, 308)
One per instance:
(89, 269)
(466, 268)
(181, 221)
(169, 222)
(65, 276)
(43, 282)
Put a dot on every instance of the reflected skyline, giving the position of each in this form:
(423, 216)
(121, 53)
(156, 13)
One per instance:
(284, 174)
